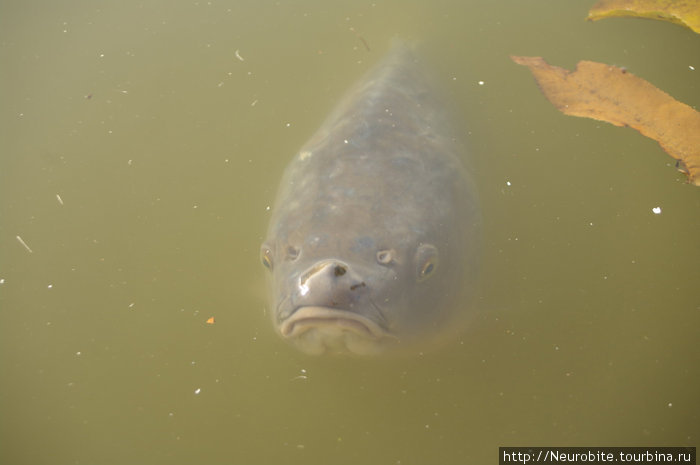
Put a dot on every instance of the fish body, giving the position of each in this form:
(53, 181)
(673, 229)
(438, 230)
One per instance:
(374, 235)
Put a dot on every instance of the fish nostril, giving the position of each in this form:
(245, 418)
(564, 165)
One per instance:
(339, 270)
(329, 268)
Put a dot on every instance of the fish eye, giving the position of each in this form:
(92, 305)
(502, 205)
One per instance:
(426, 261)
(266, 257)
(427, 269)
(292, 253)
(385, 257)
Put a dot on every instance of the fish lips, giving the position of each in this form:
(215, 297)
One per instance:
(318, 329)
(312, 317)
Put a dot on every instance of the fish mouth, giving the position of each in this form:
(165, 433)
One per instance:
(319, 329)
(306, 318)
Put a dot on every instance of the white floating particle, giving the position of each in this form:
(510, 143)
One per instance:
(481, 83)
(24, 244)
(60, 200)
(507, 183)
(2, 280)
(50, 286)
(691, 67)
(656, 210)
(197, 391)
(238, 55)
(288, 124)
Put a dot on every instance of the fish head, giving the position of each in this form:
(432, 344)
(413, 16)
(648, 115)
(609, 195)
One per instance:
(350, 293)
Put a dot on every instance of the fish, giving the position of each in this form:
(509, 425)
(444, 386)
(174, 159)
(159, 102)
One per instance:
(374, 236)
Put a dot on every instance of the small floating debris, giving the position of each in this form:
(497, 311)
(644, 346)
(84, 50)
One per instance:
(211, 321)
(60, 200)
(238, 55)
(24, 244)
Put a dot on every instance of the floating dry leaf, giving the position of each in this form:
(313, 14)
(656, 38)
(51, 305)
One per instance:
(608, 93)
(683, 12)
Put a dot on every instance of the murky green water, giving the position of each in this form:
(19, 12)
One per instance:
(139, 155)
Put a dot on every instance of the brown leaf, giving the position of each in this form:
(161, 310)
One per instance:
(608, 93)
(683, 12)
